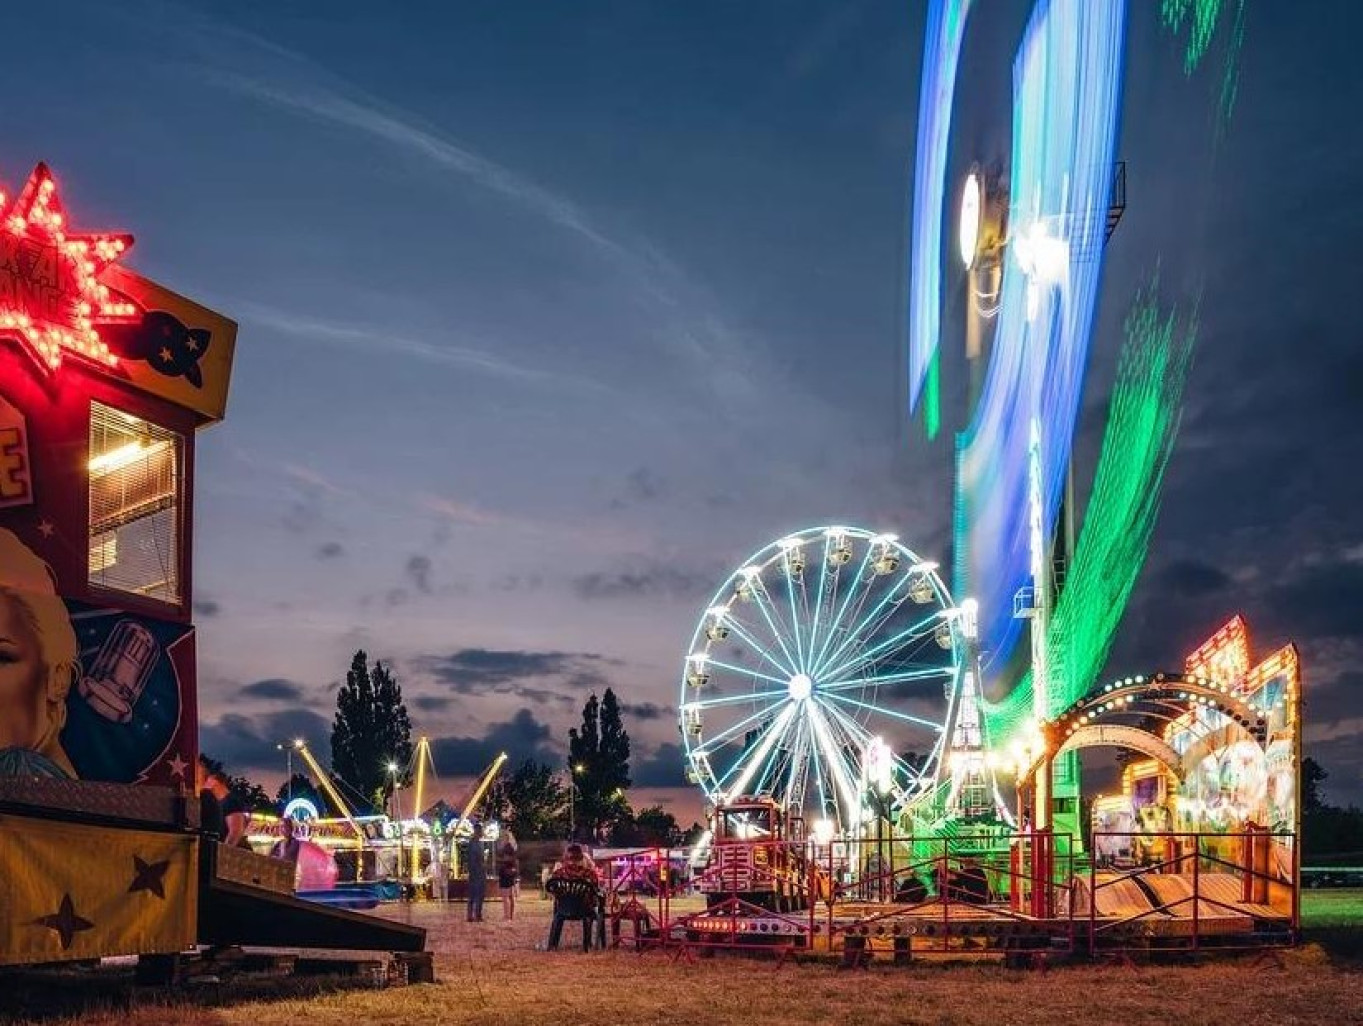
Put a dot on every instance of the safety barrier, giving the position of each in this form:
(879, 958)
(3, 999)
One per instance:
(1020, 898)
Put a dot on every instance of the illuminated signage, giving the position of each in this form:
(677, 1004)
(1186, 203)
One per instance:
(16, 484)
(51, 299)
(1224, 657)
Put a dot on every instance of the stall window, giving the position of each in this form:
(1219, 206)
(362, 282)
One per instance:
(134, 505)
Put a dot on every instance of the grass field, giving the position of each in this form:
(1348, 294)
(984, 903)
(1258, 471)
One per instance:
(491, 973)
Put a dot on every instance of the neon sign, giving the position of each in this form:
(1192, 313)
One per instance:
(16, 486)
(51, 300)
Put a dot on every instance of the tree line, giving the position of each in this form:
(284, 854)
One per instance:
(587, 799)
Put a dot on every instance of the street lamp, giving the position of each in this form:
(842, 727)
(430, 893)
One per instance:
(577, 768)
(288, 748)
(397, 814)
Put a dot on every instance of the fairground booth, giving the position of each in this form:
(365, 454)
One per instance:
(105, 378)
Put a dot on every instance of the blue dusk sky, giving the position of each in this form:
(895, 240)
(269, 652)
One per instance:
(552, 313)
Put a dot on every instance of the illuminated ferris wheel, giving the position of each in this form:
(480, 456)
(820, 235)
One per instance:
(825, 667)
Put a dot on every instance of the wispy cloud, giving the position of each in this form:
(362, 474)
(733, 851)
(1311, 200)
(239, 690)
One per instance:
(375, 339)
(686, 318)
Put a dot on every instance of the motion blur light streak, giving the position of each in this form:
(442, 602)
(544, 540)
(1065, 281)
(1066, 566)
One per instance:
(941, 54)
(1142, 426)
(1202, 17)
(1067, 77)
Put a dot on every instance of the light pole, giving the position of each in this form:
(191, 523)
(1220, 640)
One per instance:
(397, 813)
(879, 770)
(287, 748)
(577, 768)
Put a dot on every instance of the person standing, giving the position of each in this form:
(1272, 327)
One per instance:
(477, 867)
(508, 878)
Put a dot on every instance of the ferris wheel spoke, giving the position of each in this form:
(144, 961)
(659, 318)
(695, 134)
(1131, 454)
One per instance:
(710, 745)
(881, 710)
(911, 633)
(748, 639)
(794, 612)
(761, 751)
(832, 631)
(796, 775)
(818, 596)
(861, 625)
(744, 672)
(818, 769)
(768, 610)
(900, 677)
(749, 696)
(857, 735)
(842, 776)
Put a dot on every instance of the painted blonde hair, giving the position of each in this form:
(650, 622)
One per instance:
(29, 583)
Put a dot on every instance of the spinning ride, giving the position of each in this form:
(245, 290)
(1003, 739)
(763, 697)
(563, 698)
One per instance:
(830, 661)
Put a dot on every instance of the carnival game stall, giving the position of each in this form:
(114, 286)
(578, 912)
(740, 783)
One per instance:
(105, 379)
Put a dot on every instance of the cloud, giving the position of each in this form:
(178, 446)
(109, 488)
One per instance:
(521, 737)
(377, 339)
(1192, 578)
(274, 689)
(432, 703)
(461, 512)
(206, 608)
(541, 678)
(641, 486)
(665, 766)
(645, 579)
(1324, 600)
(329, 550)
(646, 710)
(691, 326)
(418, 570)
(245, 743)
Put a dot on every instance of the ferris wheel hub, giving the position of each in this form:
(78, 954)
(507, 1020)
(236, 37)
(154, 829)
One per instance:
(800, 687)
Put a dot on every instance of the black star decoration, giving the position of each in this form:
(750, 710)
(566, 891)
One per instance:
(149, 876)
(65, 922)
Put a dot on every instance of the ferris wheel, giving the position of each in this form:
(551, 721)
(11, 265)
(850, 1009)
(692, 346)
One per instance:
(825, 667)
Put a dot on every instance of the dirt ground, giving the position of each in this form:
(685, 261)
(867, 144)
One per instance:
(493, 973)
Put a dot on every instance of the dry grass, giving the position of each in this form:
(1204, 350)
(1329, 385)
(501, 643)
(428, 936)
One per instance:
(490, 973)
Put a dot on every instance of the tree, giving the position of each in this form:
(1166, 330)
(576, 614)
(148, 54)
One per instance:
(657, 828)
(1313, 775)
(371, 729)
(299, 786)
(531, 801)
(598, 760)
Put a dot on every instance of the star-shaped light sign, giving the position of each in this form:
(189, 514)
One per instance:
(51, 300)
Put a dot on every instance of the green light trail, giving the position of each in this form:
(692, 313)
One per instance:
(1143, 420)
(1201, 18)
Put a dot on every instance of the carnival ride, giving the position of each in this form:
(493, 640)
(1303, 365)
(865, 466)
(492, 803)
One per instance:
(389, 855)
(1044, 592)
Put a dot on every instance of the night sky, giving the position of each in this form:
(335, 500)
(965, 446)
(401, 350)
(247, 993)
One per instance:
(552, 313)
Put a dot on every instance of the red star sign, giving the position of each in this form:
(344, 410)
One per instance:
(51, 300)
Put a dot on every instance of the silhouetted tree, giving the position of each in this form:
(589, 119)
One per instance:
(531, 801)
(371, 729)
(300, 786)
(598, 761)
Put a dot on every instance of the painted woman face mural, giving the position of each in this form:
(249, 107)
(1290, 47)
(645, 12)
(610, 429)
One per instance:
(38, 663)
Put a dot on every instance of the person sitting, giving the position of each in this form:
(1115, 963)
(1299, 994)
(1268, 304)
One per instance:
(288, 845)
(575, 887)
